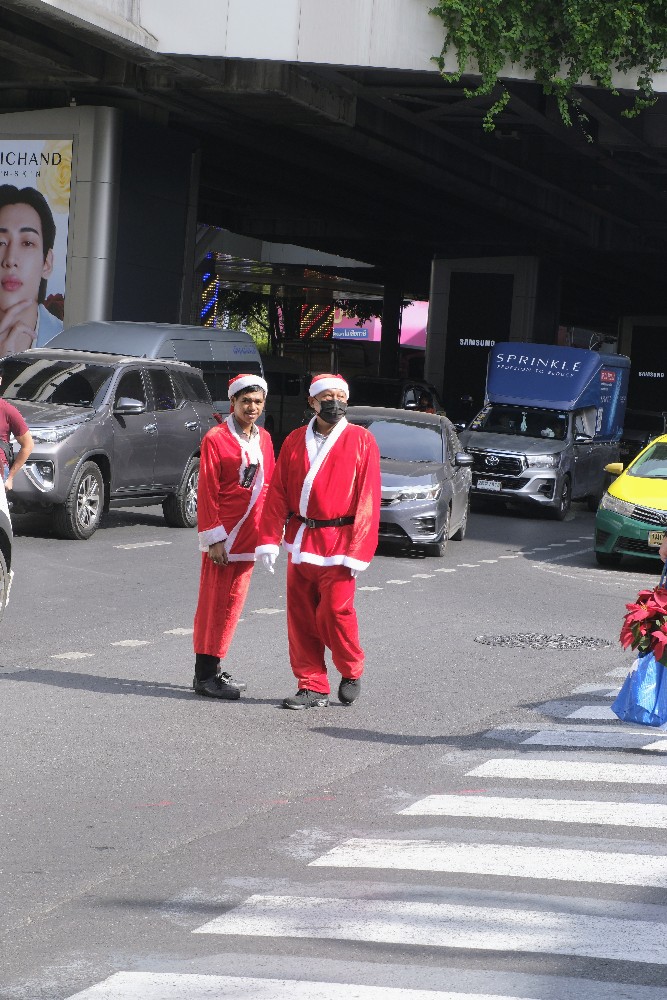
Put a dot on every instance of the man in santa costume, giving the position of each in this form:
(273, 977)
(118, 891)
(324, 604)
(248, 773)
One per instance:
(325, 497)
(236, 465)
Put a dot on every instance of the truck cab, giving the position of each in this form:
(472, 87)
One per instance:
(551, 423)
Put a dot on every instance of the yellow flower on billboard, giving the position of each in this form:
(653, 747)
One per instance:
(56, 173)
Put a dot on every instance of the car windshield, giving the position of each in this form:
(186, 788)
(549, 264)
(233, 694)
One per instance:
(652, 464)
(47, 381)
(407, 441)
(526, 421)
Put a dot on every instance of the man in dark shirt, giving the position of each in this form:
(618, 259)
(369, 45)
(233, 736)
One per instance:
(11, 422)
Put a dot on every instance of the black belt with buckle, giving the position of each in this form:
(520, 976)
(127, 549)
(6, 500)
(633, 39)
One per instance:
(333, 522)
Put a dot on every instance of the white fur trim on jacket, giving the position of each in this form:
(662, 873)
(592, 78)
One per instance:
(211, 536)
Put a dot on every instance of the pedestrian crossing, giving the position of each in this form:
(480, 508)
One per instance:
(568, 806)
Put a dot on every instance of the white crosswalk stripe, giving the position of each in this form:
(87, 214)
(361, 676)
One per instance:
(553, 770)
(636, 814)
(617, 740)
(509, 860)
(481, 928)
(166, 986)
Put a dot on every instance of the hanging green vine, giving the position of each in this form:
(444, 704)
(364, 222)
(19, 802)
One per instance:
(560, 41)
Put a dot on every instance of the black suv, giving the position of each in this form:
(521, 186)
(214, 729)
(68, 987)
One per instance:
(109, 431)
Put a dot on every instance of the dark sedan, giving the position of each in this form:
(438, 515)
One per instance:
(425, 476)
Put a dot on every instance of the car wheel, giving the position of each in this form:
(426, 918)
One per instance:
(180, 510)
(608, 559)
(438, 548)
(4, 583)
(79, 517)
(460, 533)
(561, 511)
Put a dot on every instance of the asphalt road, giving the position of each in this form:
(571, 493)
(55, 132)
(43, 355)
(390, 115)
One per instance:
(170, 847)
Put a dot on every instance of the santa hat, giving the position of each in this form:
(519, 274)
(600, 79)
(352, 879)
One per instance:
(321, 383)
(241, 382)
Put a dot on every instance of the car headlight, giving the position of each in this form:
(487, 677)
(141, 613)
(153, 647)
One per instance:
(543, 461)
(418, 493)
(51, 435)
(609, 502)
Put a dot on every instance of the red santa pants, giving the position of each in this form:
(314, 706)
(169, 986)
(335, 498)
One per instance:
(222, 594)
(320, 612)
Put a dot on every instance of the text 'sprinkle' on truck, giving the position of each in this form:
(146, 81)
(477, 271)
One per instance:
(552, 420)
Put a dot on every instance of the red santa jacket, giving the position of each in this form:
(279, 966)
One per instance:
(226, 511)
(341, 480)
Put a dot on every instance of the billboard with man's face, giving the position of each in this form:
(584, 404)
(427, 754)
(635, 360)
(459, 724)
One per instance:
(35, 183)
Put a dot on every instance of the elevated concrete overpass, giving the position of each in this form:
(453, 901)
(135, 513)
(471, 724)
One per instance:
(328, 126)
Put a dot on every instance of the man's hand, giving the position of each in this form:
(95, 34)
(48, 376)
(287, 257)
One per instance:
(354, 573)
(268, 560)
(16, 333)
(217, 553)
(662, 552)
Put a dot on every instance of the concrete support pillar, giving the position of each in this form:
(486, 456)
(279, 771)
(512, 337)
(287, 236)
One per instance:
(391, 330)
(475, 303)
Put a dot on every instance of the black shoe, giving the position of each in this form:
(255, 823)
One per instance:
(349, 690)
(216, 687)
(228, 679)
(306, 699)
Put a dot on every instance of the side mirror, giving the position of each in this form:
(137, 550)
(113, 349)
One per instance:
(128, 405)
(581, 436)
(614, 468)
(463, 458)
(460, 427)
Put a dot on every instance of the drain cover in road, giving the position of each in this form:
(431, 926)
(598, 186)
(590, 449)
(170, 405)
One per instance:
(534, 640)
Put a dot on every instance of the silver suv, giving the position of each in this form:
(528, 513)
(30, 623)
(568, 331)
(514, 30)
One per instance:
(109, 431)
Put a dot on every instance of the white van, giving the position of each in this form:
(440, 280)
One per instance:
(219, 354)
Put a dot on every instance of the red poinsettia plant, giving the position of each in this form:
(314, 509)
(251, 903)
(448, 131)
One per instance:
(645, 624)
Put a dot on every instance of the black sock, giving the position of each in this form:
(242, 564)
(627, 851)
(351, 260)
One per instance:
(206, 666)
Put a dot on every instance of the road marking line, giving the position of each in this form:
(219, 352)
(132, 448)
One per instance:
(398, 582)
(570, 770)
(131, 642)
(369, 588)
(508, 860)
(636, 814)
(593, 712)
(603, 740)
(267, 611)
(541, 548)
(192, 986)
(443, 570)
(179, 631)
(594, 689)
(422, 576)
(70, 656)
(515, 556)
(557, 931)
(489, 560)
(467, 565)
(557, 545)
(141, 545)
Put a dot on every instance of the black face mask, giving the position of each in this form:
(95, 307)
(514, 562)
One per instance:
(331, 410)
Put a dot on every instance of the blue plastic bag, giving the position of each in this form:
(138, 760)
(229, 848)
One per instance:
(643, 697)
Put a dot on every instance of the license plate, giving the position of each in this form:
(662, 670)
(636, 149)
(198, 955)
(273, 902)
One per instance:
(492, 485)
(655, 539)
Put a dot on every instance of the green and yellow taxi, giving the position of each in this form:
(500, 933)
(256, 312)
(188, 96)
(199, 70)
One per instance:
(632, 517)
